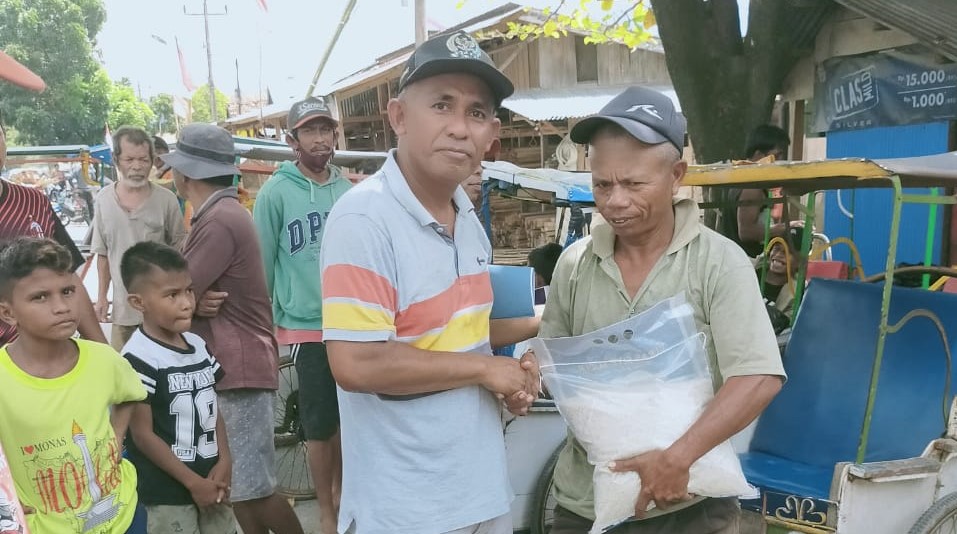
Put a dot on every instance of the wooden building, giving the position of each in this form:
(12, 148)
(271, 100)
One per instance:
(556, 81)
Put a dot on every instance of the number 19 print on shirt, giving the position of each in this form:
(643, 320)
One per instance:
(180, 390)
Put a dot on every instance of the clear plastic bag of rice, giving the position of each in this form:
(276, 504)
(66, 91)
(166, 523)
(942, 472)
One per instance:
(633, 387)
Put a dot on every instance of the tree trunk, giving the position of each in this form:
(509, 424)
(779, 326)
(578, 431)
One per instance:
(727, 82)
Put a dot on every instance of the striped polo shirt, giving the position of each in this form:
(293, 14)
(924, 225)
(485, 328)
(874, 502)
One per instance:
(390, 271)
(27, 212)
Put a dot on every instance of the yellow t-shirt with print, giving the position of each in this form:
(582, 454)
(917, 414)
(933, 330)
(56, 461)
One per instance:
(60, 445)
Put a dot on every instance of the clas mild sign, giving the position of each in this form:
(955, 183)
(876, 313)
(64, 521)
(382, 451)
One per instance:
(853, 94)
(883, 90)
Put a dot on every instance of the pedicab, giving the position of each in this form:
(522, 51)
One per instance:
(68, 174)
(863, 436)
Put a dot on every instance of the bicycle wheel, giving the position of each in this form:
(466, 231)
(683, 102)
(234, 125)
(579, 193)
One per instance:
(941, 518)
(293, 476)
(543, 508)
(286, 406)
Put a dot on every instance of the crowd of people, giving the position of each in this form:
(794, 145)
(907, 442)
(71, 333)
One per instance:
(383, 295)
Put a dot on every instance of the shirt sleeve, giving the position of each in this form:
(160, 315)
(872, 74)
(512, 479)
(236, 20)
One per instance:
(218, 372)
(146, 372)
(175, 227)
(127, 385)
(744, 339)
(61, 236)
(557, 317)
(210, 251)
(268, 219)
(359, 297)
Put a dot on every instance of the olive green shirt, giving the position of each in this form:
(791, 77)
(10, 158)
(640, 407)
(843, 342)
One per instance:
(718, 279)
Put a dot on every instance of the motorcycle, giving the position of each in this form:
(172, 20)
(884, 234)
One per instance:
(70, 207)
(62, 215)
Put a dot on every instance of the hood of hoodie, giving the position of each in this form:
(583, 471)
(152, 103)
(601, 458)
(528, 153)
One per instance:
(288, 171)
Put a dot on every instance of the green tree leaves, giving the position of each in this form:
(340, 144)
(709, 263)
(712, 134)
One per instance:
(126, 109)
(602, 21)
(164, 116)
(200, 102)
(55, 38)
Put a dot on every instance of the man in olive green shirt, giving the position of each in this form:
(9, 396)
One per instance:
(651, 247)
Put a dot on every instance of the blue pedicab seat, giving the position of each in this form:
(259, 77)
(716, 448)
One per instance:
(815, 422)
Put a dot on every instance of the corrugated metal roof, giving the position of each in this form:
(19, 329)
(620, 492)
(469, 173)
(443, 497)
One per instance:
(571, 103)
(805, 21)
(398, 57)
(372, 71)
(477, 24)
(272, 111)
(932, 22)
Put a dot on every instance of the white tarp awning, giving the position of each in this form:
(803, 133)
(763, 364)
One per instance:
(572, 103)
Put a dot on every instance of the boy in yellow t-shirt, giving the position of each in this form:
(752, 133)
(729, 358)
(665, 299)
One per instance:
(56, 395)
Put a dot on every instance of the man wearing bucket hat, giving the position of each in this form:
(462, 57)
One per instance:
(290, 213)
(223, 254)
(406, 302)
(649, 247)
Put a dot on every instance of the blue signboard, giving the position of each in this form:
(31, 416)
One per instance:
(882, 89)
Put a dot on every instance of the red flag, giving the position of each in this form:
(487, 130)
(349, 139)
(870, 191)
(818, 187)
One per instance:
(262, 4)
(187, 81)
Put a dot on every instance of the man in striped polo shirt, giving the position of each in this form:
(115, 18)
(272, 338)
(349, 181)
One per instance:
(406, 304)
(25, 211)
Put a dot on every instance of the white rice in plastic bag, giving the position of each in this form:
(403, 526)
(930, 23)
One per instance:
(601, 424)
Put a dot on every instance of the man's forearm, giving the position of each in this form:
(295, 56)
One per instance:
(396, 368)
(738, 402)
(89, 325)
(222, 440)
(160, 453)
(503, 332)
(103, 276)
(120, 417)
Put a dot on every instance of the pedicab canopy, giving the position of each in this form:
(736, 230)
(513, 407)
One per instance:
(22, 161)
(268, 150)
(798, 177)
(568, 186)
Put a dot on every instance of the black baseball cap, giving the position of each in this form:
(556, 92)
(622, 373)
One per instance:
(646, 114)
(305, 110)
(454, 53)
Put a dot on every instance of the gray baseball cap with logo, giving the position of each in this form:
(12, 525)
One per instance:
(455, 53)
(203, 151)
(305, 110)
(648, 115)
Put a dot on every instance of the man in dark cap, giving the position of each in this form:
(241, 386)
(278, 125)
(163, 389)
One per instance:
(651, 246)
(406, 305)
(223, 254)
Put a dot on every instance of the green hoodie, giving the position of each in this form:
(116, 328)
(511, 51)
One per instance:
(290, 214)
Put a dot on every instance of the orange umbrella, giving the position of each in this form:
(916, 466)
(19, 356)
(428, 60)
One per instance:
(17, 74)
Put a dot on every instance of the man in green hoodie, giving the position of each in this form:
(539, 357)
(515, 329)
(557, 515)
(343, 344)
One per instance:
(290, 213)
